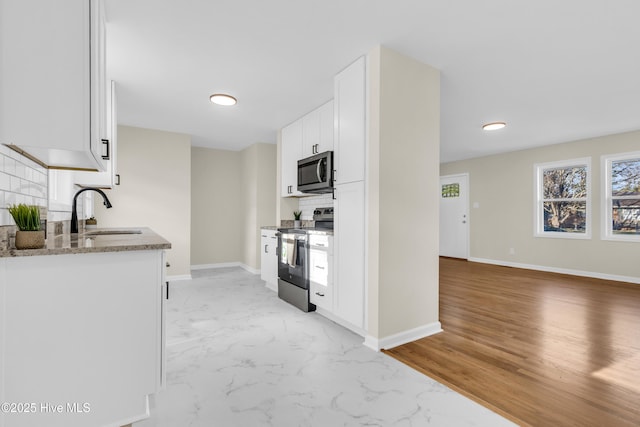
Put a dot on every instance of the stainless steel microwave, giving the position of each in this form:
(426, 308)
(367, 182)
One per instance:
(315, 173)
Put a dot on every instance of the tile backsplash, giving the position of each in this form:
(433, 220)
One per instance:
(308, 204)
(21, 181)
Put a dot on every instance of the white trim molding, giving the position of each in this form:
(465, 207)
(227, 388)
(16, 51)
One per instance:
(178, 277)
(606, 233)
(539, 200)
(404, 337)
(226, 265)
(581, 273)
(219, 265)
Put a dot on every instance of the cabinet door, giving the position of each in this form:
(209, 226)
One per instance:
(269, 258)
(291, 150)
(350, 123)
(106, 179)
(349, 252)
(317, 130)
(310, 134)
(326, 127)
(272, 261)
(264, 256)
(48, 76)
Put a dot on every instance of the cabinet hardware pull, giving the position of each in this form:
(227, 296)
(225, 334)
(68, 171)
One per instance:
(320, 267)
(266, 251)
(117, 179)
(319, 294)
(105, 149)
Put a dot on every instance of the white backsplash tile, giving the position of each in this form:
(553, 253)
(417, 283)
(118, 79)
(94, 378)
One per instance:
(21, 181)
(308, 204)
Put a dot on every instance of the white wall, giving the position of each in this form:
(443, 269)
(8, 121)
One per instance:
(502, 185)
(154, 191)
(403, 178)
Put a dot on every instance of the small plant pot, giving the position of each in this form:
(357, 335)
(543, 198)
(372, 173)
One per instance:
(30, 239)
(296, 223)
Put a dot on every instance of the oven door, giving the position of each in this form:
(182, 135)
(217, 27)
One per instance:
(293, 266)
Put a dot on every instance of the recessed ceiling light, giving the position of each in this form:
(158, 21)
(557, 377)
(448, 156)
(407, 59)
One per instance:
(494, 126)
(223, 99)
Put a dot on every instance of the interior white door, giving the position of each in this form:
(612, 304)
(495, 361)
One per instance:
(454, 216)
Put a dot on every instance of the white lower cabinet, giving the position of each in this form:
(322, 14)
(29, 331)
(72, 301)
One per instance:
(269, 258)
(81, 337)
(320, 271)
(349, 253)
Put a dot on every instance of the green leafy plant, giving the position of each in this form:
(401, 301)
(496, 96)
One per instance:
(27, 217)
(296, 215)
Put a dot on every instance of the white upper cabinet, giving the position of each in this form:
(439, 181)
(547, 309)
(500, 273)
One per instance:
(350, 123)
(106, 179)
(290, 153)
(307, 136)
(317, 135)
(53, 103)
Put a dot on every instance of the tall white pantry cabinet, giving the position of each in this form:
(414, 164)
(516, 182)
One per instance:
(54, 90)
(349, 204)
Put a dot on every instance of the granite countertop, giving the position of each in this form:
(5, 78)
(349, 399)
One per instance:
(90, 241)
(269, 227)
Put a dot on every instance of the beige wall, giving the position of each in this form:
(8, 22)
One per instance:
(503, 187)
(233, 195)
(403, 194)
(258, 189)
(155, 189)
(216, 206)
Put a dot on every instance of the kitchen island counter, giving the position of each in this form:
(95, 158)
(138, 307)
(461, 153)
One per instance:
(95, 240)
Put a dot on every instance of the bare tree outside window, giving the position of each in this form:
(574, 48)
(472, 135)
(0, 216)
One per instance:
(625, 197)
(564, 199)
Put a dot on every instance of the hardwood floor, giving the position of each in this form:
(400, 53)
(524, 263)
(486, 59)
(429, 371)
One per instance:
(541, 349)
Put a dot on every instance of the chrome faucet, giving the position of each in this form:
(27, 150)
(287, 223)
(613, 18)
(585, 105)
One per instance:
(74, 211)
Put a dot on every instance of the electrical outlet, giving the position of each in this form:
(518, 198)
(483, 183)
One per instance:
(512, 251)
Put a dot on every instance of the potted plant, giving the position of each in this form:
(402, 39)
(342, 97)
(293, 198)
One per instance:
(296, 217)
(91, 223)
(27, 218)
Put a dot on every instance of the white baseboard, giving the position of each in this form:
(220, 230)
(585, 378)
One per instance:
(341, 322)
(219, 265)
(249, 269)
(179, 277)
(403, 337)
(580, 273)
(225, 265)
(272, 286)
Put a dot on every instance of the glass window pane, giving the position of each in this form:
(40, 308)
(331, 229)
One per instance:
(565, 217)
(625, 178)
(565, 183)
(625, 216)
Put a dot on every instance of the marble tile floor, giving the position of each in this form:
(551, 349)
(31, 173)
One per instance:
(239, 356)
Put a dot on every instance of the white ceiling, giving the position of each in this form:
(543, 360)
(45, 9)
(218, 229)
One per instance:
(555, 71)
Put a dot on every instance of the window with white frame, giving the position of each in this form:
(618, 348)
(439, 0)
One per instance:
(621, 218)
(563, 192)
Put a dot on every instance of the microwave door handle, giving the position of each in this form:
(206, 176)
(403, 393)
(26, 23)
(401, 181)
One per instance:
(318, 170)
